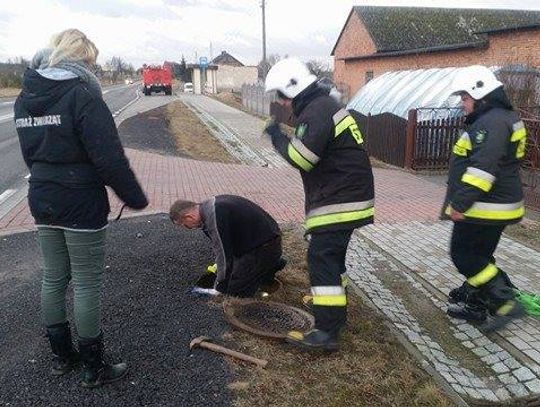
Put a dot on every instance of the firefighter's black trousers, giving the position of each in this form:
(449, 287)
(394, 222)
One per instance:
(471, 248)
(326, 263)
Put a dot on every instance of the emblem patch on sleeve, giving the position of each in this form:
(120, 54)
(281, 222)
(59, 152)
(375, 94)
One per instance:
(480, 136)
(300, 130)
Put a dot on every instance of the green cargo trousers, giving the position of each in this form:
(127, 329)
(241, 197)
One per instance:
(78, 256)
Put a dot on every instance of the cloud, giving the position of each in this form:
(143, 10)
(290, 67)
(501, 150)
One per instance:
(149, 10)
(152, 31)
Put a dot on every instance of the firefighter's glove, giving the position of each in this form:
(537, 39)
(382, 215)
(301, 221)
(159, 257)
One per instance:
(272, 127)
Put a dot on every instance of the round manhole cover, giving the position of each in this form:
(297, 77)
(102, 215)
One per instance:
(267, 318)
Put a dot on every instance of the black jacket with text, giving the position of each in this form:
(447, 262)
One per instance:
(70, 144)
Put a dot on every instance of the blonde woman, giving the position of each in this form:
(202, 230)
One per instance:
(70, 144)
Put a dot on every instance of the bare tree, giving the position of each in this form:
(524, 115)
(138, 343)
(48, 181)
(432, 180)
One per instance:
(264, 66)
(320, 69)
(118, 68)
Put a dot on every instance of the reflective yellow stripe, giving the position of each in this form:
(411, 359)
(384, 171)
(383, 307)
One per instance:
(462, 145)
(330, 300)
(349, 123)
(344, 124)
(476, 182)
(298, 158)
(212, 268)
(483, 276)
(519, 134)
(495, 215)
(499, 212)
(342, 217)
(457, 150)
(506, 308)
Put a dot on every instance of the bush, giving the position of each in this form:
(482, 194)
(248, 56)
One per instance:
(10, 80)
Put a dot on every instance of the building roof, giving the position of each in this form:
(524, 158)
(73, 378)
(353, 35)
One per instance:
(401, 30)
(397, 92)
(226, 59)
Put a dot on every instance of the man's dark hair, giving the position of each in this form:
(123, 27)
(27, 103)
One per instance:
(180, 208)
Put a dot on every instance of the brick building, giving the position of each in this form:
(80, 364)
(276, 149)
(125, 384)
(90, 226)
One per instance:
(375, 40)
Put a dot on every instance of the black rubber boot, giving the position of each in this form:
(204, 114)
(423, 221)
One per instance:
(501, 302)
(469, 312)
(459, 295)
(65, 357)
(313, 340)
(97, 372)
(471, 306)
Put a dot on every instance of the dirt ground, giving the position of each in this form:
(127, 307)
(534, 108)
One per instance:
(527, 233)
(230, 98)
(372, 368)
(9, 92)
(192, 137)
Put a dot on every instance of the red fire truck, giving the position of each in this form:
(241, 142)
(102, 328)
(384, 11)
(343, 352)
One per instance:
(157, 78)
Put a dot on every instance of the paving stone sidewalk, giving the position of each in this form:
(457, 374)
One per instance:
(407, 239)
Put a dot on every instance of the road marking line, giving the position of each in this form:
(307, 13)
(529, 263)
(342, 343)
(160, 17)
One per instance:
(6, 194)
(27, 176)
(7, 117)
(7, 103)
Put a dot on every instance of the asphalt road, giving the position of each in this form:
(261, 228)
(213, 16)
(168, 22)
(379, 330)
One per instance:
(12, 168)
(149, 318)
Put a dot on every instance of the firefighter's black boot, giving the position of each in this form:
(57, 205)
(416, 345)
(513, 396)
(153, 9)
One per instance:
(459, 294)
(96, 371)
(502, 304)
(472, 308)
(313, 340)
(65, 357)
(470, 312)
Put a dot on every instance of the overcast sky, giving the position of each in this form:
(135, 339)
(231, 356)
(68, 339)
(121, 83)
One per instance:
(150, 31)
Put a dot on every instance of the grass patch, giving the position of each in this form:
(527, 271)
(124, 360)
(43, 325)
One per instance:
(9, 92)
(527, 233)
(192, 137)
(231, 99)
(372, 369)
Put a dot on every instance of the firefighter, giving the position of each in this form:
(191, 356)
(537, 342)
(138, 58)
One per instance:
(484, 195)
(328, 150)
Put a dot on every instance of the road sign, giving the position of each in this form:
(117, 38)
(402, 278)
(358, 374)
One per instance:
(203, 62)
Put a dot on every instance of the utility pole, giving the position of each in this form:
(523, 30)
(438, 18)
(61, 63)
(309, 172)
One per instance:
(263, 6)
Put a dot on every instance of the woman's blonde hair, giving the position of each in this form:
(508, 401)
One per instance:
(72, 45)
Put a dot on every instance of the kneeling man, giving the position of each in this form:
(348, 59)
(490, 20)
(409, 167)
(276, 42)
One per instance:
(246, 241)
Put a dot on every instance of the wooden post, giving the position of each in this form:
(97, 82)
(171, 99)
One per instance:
(411, 133)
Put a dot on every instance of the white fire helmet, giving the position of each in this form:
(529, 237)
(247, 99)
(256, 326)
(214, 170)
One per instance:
(476, 80)
(289, 76)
